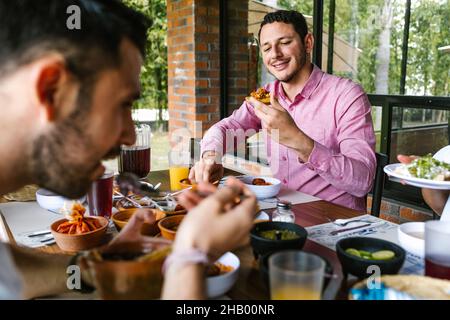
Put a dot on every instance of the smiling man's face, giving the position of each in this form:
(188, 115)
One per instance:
(67, 158)
(283, 52)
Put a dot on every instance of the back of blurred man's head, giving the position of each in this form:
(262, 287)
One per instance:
(30, 29)
(66, 94)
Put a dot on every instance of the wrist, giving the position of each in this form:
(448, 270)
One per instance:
(181, 257)
(211, 154)
(303, 146)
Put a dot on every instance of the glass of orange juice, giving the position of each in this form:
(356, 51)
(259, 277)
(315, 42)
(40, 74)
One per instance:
(179, 164)
(296, 275)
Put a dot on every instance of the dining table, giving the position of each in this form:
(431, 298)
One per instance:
(250, 285)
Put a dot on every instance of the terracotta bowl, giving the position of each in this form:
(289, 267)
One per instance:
(121, 218)
(186, 183)
(169, 226)
(79, 242)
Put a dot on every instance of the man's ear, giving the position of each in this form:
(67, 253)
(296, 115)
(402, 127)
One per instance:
(309, 43)
(49, 82)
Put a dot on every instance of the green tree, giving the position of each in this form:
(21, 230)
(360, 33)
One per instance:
(154, 71)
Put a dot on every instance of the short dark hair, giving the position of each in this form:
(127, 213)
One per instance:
(29, 29)
(287, 16)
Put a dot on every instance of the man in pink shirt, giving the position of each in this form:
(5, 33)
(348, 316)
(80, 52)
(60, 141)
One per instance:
(321, 138)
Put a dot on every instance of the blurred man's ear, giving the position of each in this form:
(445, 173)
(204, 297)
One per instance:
(50, 82)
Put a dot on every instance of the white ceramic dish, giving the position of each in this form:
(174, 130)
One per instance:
(411, 236)
(390, 170)
(221, 284)
(52, 201)
(263, 192)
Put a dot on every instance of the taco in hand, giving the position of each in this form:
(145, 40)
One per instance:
(261, 95)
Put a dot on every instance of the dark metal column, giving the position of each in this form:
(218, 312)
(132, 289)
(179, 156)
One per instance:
(318, 30)
(223, 59)
(331, 18)
(405, 46)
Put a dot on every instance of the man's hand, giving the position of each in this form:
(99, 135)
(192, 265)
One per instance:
(216, 225)
(208, 169)
(275, 117)
(130, 237)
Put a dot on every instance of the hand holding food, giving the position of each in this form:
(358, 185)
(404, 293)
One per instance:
(217, 224)
(208, 169)
(261, 95)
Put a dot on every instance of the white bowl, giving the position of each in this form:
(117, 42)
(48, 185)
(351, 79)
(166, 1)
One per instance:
(52, 201)
(221, 284)
(263, 192)
(411, 236)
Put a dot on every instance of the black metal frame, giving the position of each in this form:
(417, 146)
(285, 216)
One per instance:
(318, 32)
(223, 58)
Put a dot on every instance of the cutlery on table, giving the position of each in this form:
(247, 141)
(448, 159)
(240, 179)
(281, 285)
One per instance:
(336, 232)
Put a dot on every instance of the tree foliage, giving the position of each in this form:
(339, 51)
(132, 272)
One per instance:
(154, 71)
(358, 22)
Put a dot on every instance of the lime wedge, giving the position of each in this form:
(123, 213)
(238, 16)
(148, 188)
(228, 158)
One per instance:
(383, 255)
(353, 252)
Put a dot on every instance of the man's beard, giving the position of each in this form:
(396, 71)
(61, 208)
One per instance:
(60, 162)
(288, 78)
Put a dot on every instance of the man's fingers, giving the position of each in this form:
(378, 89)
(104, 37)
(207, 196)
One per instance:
(189, 199)
(275, 104)
(225, 196)
(192, 173)
(406, 159)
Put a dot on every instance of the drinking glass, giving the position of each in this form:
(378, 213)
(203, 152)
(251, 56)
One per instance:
(296, 275)
(137, 158)
(437, 249)
(100, 196)
(179, 164)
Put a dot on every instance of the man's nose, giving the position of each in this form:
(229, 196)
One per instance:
(128, 134)
(276, 52)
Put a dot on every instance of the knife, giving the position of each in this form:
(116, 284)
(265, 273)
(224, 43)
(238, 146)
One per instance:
(336, 232)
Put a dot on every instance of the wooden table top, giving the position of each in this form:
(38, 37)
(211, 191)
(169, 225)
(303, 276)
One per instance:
(249, 284)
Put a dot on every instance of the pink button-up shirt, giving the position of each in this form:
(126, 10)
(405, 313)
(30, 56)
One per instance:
(335, 113)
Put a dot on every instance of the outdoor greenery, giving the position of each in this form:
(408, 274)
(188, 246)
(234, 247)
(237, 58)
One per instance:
(377, 26)
(154, 72)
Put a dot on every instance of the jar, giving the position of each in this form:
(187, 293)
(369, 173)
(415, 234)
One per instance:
(283, 212)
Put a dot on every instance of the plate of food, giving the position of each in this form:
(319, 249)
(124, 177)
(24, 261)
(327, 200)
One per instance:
(423, 172)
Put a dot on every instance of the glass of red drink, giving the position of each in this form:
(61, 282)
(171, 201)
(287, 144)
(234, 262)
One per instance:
(136, 158)
(437, 249)
(100, 196)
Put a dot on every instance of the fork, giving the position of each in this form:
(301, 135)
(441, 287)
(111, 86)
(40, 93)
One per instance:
(344, 222)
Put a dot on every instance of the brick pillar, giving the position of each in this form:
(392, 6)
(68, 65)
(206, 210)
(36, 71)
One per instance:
(239, 51)
(194, 64)
(194, 61)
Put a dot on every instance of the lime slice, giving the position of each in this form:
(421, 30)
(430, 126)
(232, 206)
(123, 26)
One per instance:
(383, 255)
(353, 252)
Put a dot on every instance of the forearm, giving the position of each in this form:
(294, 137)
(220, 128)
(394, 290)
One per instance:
(186, 283)
(223, 135)
(42, 274)
(352, 173)
(436, 199)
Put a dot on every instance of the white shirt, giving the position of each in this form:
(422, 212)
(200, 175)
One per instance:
(10, 282)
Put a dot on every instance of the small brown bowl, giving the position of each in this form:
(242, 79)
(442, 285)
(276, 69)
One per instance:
(79, 242)
(122, 217)
(169, 226)
(186, 183)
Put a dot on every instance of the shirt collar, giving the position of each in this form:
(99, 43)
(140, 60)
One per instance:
(312, 83)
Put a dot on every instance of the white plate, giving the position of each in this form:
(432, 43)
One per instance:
(221, 284)
(416, 182)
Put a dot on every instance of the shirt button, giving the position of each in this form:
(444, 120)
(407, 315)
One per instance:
(283, 158)
(285, 181)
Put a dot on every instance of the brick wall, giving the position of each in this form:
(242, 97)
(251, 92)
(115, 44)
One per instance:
(238, 54)
(194, 62)
(399, 213)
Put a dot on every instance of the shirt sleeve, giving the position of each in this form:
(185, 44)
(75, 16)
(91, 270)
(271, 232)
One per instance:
(352, 167)
(231, 131)
(10, 282)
